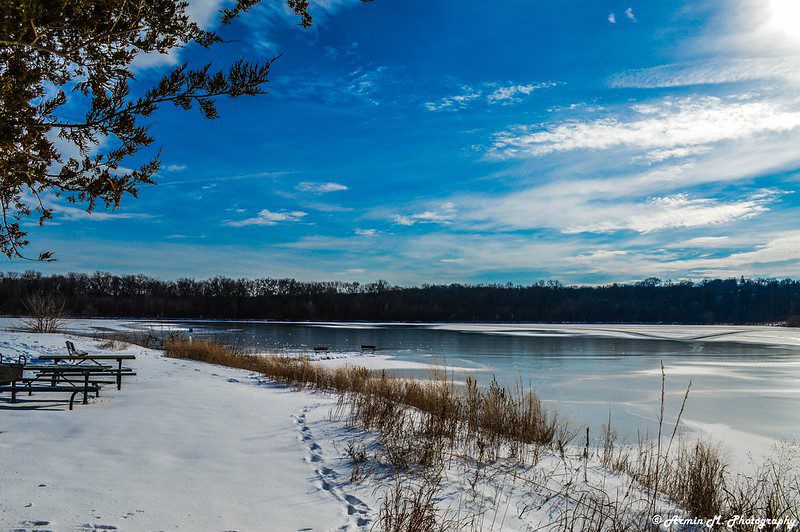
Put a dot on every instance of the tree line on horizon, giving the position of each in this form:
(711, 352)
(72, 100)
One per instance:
(734, 301)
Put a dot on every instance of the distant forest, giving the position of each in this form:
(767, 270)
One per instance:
(736, 301)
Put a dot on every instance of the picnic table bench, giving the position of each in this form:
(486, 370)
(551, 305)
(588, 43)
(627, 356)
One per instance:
(95, 360)
(12, 380)
(66, 373)
(27, 386)
(79, 376)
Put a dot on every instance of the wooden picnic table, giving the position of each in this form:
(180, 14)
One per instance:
(94, 360)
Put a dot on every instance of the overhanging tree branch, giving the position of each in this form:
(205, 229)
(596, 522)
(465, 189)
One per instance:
(86, 48)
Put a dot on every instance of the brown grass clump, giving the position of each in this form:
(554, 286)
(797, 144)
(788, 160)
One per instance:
(423, 424)
(440, 409)
(409, 507)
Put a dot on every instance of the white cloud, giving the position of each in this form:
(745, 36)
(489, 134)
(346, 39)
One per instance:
(705, 242)
(366, 232)
(320, 188)
(444, 214)
(491, 93)
(401, 219)
(751, 40)
(672, 123)
(455, 102)
(512, 93)
(175, 167)
(678, 210)
(775, 255)
(66, 212)
(359, 85)
(657, 156)
(421, 217)
(730, 70)
(612, 18)
(268, 217)
(325, 207)
(779, 249)
(630, 15)
(575, 209)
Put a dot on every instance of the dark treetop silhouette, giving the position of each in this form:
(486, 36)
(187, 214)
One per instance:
(710, 301)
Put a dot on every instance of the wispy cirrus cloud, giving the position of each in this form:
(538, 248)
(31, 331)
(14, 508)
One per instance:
(710, 72)
(443, 214)
(66, 212)
(667, 212)
(780, 251)
(556, 207)
(662, 125)
(455, 102)
(268, 217)
(756, 40)
(361, 84)
(490, 93)
(514, 93)
(316, 187)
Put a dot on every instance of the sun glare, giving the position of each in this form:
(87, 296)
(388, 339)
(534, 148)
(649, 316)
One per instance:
(785, 18)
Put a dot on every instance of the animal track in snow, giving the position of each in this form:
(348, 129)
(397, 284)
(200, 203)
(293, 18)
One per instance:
(357, 511)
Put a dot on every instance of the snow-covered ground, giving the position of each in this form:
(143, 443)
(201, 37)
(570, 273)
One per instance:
(186, 445)
(192, 446)
(183, 445)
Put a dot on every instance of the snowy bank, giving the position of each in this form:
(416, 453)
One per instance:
(187, 445)
(182, 446)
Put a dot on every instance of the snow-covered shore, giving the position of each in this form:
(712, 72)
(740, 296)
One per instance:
(183, 445)
(191, 446)
(187, 445)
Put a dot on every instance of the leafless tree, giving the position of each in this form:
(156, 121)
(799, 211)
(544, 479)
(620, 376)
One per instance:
(46, 314)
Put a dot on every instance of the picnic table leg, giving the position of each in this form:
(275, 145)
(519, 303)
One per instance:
(13, 392)
(119, 374)
(85, 387)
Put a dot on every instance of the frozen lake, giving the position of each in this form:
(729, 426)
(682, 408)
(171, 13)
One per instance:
(745, 380)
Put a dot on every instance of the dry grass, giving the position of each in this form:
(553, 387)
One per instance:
(113, 344)
(421, 425)
(440, 407)
(411, 507)
(698, 477)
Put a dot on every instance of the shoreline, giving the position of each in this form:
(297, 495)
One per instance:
(195, 445)
(769, 335)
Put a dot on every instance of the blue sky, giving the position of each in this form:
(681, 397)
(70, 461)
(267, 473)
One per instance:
(475, 142)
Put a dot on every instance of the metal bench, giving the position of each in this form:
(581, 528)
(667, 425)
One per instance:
(73, 390)
(82, 361)
(71, 351)
(12, 379)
